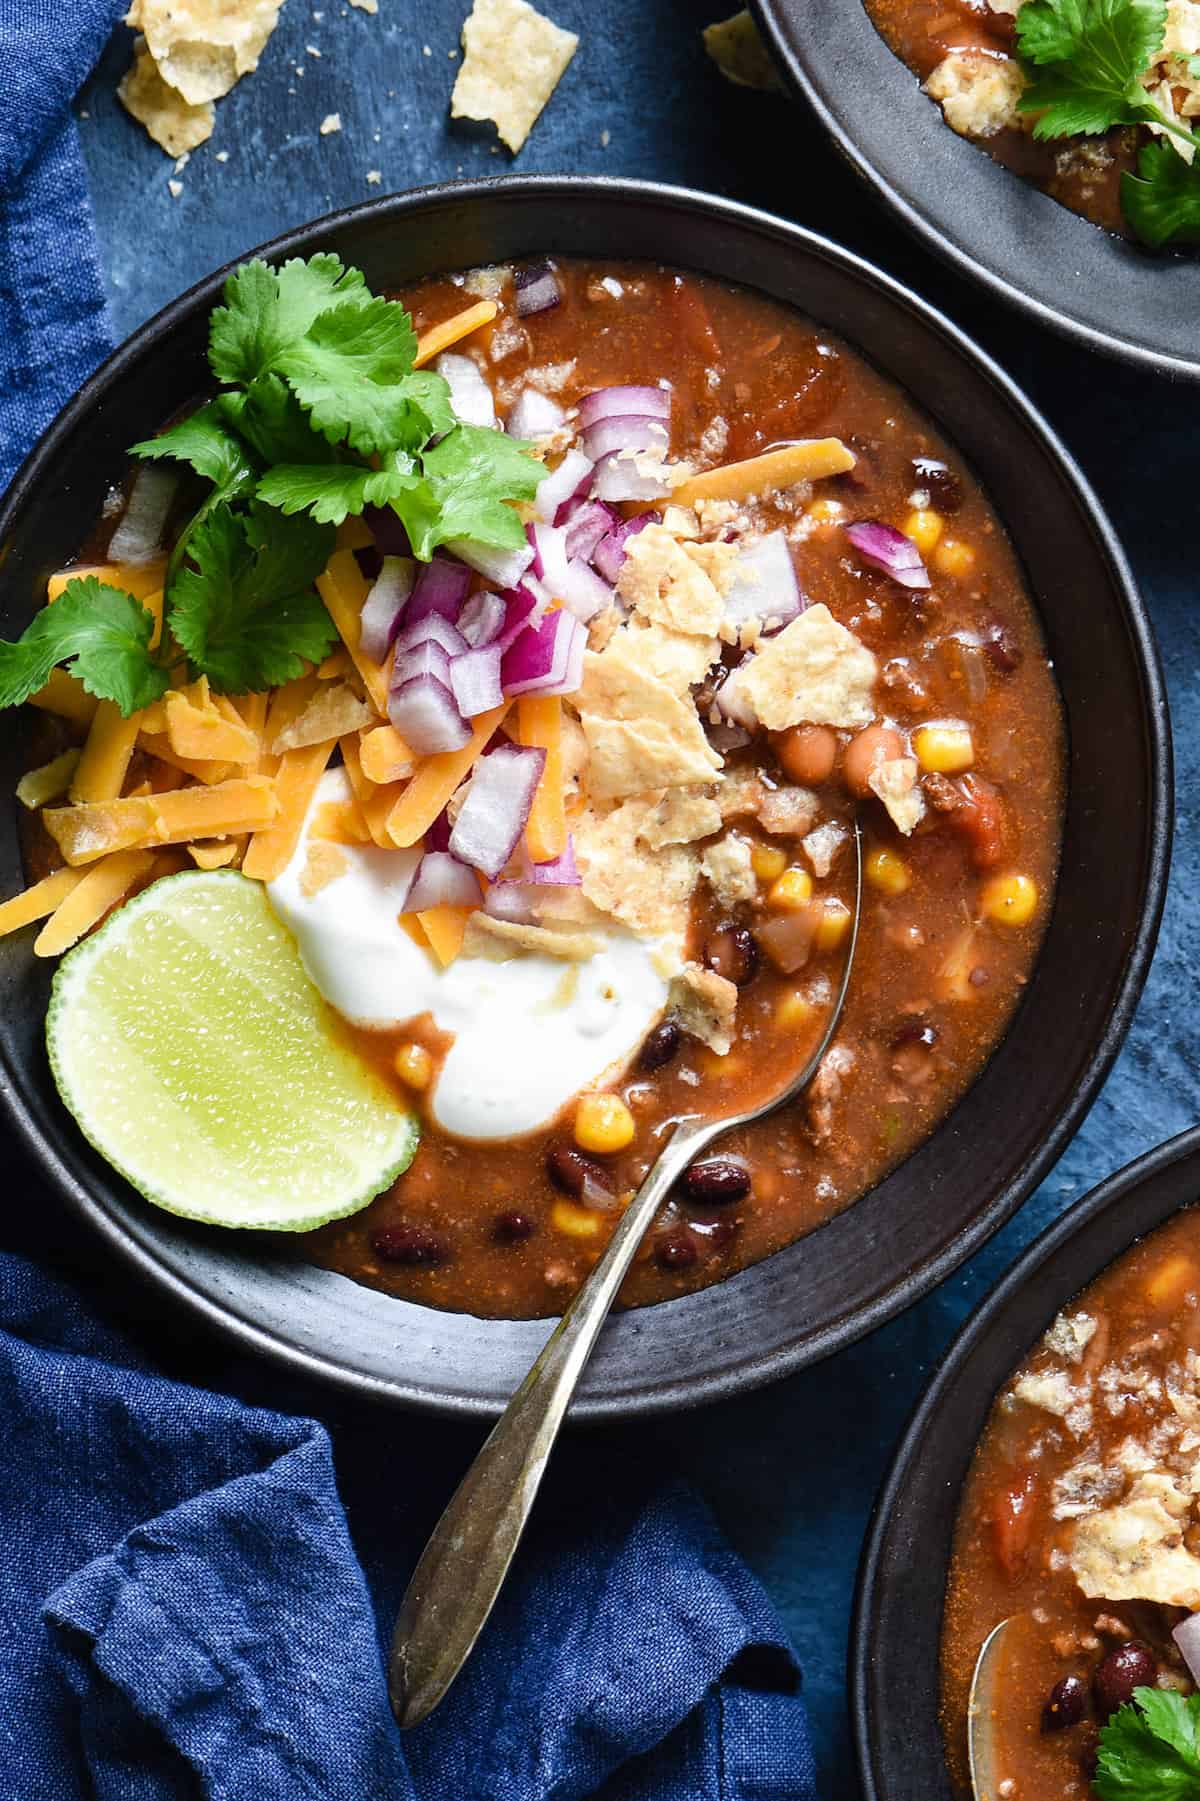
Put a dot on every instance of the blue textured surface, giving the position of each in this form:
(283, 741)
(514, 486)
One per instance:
(791, 1481)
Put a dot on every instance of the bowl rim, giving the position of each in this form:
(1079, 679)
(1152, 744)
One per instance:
(1095, 252)
(1175, 1153)
(910, 1284)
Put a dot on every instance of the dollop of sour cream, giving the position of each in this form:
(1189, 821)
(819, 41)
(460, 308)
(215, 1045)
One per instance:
(529, 1033)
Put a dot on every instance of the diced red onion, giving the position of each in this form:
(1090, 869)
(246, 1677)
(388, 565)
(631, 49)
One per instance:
(731, 703)
(549, 555)
(496, 806)
(546, 659)
(885, 548)
(586, 523)
(534, 416)
(573, 476)
(609, 554)
(138, 538)
(383, 608)
(470, 396)
(482, 618)
(438, 835)
(556, 872)
(788, 939)
(385, 526)
(612, 403)
(764, 584)
(728, 737)
(537, 289)
(522, 608)
(442, 881)
(513, 901)
(424, 714)
(433, 626)
(1187, 1637)
(583, 591)
(441, 588)
(617, 478)
(475, 680)
(624, 432)
(503, 567)
(424, 659)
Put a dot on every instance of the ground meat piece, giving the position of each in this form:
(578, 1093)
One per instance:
(825, 1091)
(942, 794)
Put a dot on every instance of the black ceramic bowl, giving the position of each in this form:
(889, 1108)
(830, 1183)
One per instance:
(1102, 292)
(959, 1186)
(897, 1629)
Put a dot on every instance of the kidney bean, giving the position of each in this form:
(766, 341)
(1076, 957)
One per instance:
(1131, 1665)
(716, 1235)
(660, 1045)
(939, 482)
(877, 744)
(915, 1031)
(571, 1172)
(410, 1244)
(716, 1182)
(513, 1228)
(1066, 1704)
(676, 1252)
(1001, 647)
(732, 953)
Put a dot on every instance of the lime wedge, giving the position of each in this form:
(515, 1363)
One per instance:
(197, 1057)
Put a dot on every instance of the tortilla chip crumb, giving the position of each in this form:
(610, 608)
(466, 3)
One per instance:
(673, 584)
(514, 59)
(500, 939)
(705, 1005)
(324, 864)
(374, 177)
(814, 672)
(175, 189)
(649, 891)
(174, 125)
(727, 867)
(366, 6)
(897, 784)
(740, 54)
(202, 47)
(331, 122)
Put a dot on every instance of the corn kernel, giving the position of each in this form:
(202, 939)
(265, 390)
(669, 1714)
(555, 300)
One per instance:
(603, 1123)
(944, 748)
(954, 558)
(924, 527)
(1010, 900)
(792, 891)
(414, 1065)
(575, 1222)
(887, 871)
(832, 926)
(826, 512)
(767, 861)
(793, 1011)
(1170, 1282)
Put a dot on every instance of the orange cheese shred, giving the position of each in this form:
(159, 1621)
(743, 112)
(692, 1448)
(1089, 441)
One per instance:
(343, 587)
(445, 928)
(376, 803)
(385, 755)
(431, 343)
(39, 901)
(85, 833)
(271, 851)
(104, 762)
(102, 887)
(436, 780)
(539, 722)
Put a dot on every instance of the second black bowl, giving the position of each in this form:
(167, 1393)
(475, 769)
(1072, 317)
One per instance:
(967, 1178)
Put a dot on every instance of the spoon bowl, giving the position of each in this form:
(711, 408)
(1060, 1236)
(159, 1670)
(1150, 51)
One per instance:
(981, 1713)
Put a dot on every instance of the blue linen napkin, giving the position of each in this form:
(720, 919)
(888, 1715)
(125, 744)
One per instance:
(184, 1609)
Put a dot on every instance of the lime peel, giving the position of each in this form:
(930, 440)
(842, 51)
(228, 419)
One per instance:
(198, 1058)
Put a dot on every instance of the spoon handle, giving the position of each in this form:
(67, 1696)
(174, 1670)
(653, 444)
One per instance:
(461, 1571)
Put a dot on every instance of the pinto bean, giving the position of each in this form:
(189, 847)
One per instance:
(877, 744)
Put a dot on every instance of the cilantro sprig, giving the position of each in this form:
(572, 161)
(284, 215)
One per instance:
(1150, 1749)
(320, 413)
(1086, 61)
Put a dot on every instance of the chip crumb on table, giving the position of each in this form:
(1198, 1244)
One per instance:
(513, 60)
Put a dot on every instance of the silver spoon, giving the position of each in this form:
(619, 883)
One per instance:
(462, 1568)
(981, 1714)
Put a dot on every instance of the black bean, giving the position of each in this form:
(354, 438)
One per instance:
(915, 1031)
(660, 1045)
(716, 1235)
(732, 953)
(716, 1182)
(572, 1173)
(940, 483)
(1066, 1704)
(513, 1228)
(1131, 1665)
(1001, 648)
(676, 1252)
(410, 1244)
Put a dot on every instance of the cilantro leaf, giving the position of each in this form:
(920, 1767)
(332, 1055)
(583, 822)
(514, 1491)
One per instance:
(244, 610)
(1150, 1752)
(1086, 59)
(351, 372)
(267, 310)
(102, 633)
(273, 423)
(1162, 201)
(330, 491)
(205, 440)
(469, 478)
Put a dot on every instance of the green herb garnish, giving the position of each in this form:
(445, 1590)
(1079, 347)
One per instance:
(1086, 60)
(320, 414)
(1150, 1750)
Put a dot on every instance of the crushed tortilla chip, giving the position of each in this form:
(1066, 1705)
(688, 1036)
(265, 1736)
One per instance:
(488, 937)
(649, 891)
(680, 816)
(896, 783)
(673, 584)
(739, 52)
(705, 1004)
(814, 672)
(788, 812)
(728, 870)
(514, 59)
(323, 864)
(202, 47)
(333, 712)
(640, 734)
(173, 124)
(676, 658)
(823, 846)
